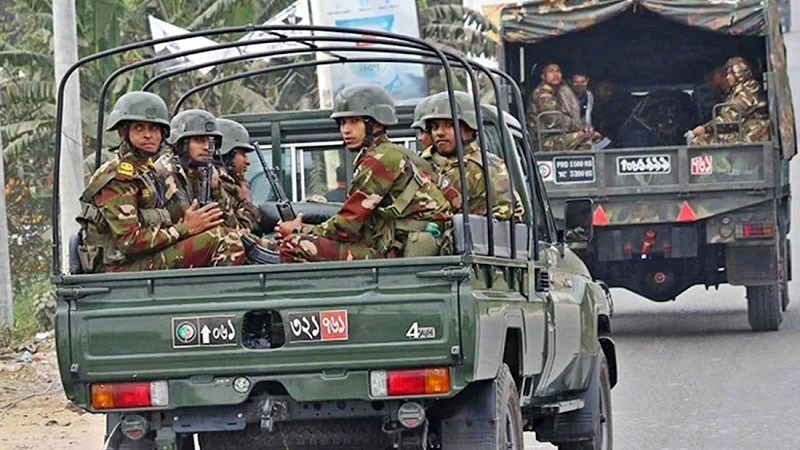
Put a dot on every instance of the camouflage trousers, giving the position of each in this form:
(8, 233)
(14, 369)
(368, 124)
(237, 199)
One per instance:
(753, 130)
(215, 247)
(575, 140)
(309, 247)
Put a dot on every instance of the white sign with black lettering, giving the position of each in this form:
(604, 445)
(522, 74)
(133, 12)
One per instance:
(644, 165)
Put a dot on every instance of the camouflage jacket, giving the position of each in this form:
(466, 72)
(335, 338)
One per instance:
(751, 106)
(387, 188)
(247, 214)
(129, 197)
(500, 182)
(545, 99)
(182, 186)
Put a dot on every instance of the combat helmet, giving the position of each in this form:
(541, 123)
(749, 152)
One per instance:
(739, 67)
(365, 100)
(139, 106)
(439, 108)
(193, 122)
(422, 109)
(234, 136)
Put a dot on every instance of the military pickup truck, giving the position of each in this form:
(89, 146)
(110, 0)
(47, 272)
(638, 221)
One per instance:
(466, 351)
(668, 215)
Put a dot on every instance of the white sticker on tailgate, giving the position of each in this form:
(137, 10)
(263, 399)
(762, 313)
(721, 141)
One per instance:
(644, 165)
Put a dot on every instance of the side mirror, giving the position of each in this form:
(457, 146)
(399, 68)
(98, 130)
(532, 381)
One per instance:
(578, 226)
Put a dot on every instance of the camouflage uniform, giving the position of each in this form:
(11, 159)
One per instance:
(750, 109)
(447, 166)
(572, 136)
(134, 229)
(371, 223)
(235, 137)
(391, 202)
(183, 180)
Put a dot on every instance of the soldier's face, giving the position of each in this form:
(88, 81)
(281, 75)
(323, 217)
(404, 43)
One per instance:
(199, 148)
(145, 136)
(353, 131)
(425, 139)
(552, 75)
(240, 162)
(444, 135)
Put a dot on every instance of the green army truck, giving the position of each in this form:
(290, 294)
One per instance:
(669, 215)
(465, 351)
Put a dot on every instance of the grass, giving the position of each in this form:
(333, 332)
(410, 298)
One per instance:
(25, 324)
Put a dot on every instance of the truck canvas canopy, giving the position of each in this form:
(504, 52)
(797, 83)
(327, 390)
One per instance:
(647, 45)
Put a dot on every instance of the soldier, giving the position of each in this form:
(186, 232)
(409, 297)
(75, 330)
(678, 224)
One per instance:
(423, 134)
(393, 207)
(124, 223)
(747, 105)
(442, 155)
(234, 150)
(574, 134)
(187, 170)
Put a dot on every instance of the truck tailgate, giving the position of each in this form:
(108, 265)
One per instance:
(651, 184)
(331, 316)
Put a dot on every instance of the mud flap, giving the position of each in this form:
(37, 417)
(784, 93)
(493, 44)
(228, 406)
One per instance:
(574, 425)
(468, 419)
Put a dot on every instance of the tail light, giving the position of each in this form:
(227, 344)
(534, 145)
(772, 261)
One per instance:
(127, 395)
(755, 230)
(408, 382)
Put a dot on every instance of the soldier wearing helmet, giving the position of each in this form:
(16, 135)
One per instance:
(744, 116)
(234, 149)
(424, 138)
(393, 208)
(552, 97)
(125, 225)
(443, 156)
(189, 167)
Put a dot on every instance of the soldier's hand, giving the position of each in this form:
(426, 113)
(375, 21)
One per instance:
(699, 130)
(284, 229)
(199, 219)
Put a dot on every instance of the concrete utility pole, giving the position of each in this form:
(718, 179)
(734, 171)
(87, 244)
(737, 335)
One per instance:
(6, 300)
(65, 49)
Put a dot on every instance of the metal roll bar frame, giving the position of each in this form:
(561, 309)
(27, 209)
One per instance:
(385, 41)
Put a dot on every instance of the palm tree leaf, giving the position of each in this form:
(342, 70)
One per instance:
(456, 15)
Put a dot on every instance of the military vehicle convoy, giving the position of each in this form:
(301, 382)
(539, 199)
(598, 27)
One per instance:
(463, 351)
(669, 215)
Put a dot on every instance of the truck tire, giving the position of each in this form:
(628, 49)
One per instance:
(509, 435)
(764, 307)
(309, 435)
(602, 438)
(120, 442)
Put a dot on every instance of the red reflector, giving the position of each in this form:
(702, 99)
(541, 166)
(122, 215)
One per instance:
(435, 380)
(756, 230)
(121, 395)
(406, 382)
(686, 214)
(600, 218)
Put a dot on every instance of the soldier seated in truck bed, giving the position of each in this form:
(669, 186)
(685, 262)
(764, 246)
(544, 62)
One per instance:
(744, 116)
(442, 155)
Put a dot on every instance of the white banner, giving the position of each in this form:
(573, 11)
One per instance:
(404, 81)
(160, 29)
(296, 14)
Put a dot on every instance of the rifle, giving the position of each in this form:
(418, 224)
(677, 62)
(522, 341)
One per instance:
(206, 172)
(285, 210)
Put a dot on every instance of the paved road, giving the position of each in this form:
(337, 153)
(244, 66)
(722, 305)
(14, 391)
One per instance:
(693, 375)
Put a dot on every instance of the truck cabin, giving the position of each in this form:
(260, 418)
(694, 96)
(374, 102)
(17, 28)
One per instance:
(653, 78)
